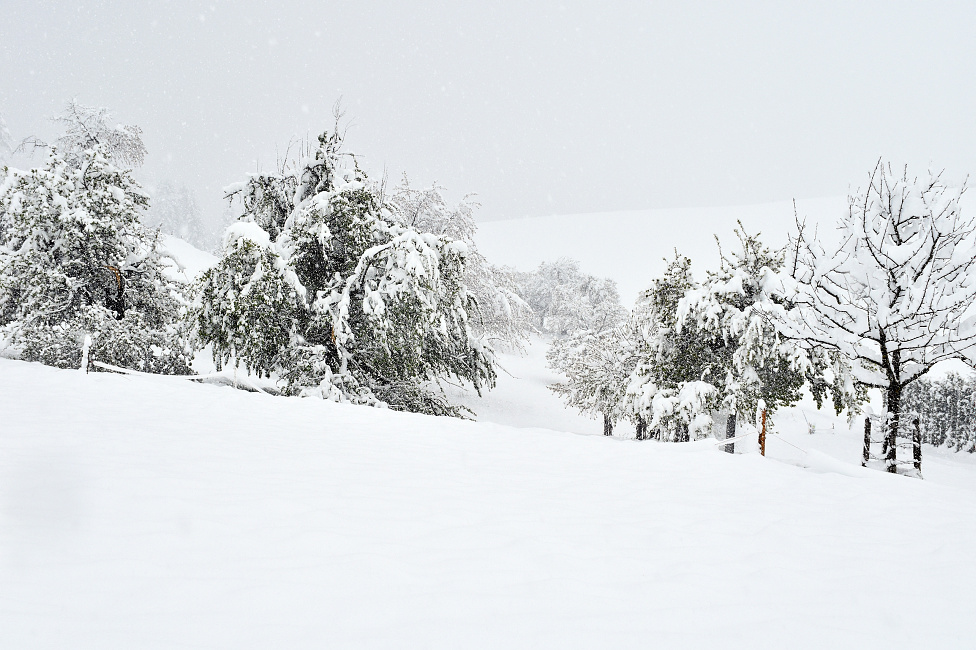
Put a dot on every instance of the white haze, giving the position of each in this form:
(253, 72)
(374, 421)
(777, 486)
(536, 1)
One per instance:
(545, 108)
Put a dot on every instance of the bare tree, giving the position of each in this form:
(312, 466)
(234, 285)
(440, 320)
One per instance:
(85, 126)
(896, 296)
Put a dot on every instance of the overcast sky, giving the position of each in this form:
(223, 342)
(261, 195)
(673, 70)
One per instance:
(540, 108)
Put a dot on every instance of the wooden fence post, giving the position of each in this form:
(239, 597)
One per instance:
(917, 445)
(762, 434)
(730, 433)
(867, 442)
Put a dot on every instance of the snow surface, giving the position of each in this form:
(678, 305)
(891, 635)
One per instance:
(188, 261)
(148, 512)
(152, 512)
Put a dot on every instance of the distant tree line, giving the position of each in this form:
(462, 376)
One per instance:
(946, 409)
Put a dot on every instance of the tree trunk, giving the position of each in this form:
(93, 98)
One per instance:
(730, 433)
(641, 428)
(607, 425)
(894, 419)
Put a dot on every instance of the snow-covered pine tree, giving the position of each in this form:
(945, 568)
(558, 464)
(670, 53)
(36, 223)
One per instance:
(730, 311)
(564, 299)
(895, 297)
(667, 392)
(353, 305)
(713, 347)
(75, 261)
(946, 408)
(502, 314)
(175, 211)
(596, 366)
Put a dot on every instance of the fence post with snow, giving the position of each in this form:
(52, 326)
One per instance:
(730, 432)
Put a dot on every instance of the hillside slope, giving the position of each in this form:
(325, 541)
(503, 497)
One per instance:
(146, 512)
(630, 246)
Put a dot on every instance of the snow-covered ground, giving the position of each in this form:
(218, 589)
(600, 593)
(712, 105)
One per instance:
(145, 512)
(152, 512)
(187, 261)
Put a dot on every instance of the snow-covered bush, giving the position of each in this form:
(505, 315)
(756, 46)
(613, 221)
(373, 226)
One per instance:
(896, 296)
(564, 299)
(502, 314)
(352, 304)
(75, 261)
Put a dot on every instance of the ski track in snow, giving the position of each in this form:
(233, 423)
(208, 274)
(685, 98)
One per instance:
(145, 512)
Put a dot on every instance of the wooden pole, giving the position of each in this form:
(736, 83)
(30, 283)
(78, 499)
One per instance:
(730, 433)
(762, 434)
(867, 442)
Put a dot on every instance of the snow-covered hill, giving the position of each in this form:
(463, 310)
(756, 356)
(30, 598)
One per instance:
(630, 247)
(148, 512)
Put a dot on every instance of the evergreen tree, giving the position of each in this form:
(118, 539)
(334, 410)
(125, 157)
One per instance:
(668, 391)
(729, 311)
(353, 304)
(75, 262)
(946, 409)
(712, 346)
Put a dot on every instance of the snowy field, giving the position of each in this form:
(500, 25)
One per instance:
(141, 512)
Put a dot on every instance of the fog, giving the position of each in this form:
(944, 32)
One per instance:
(539, 108)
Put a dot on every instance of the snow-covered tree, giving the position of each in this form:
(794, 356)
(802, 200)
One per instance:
(564, 299)
(75, 262)
(665, 391)
(729, 310)
(946, 409)
(712, 346)
(351, 304)
(502, 314)
(175, 211)
(596, 367)
(84, 127)
(896, 295)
